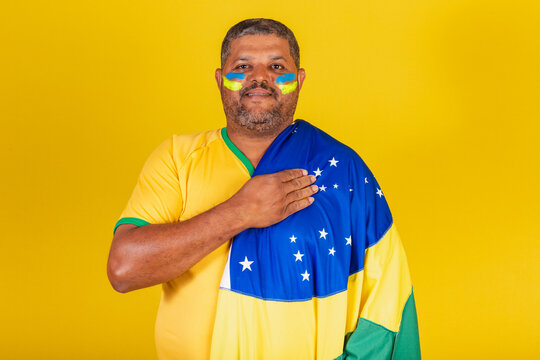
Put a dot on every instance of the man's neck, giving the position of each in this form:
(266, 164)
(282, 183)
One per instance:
(253, 146)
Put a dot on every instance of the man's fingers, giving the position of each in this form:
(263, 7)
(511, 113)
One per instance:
(298, 205)
(302, 193)
(299, 183)
(270, 198)
(290, 174)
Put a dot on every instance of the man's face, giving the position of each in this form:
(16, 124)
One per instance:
(259, 84)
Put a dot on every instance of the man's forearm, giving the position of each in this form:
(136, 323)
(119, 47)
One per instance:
(153, 254)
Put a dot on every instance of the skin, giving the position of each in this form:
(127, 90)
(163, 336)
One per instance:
(149, 255)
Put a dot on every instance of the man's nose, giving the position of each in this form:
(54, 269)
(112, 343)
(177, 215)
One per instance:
(259, 74)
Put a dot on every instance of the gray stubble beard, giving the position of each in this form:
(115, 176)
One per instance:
(260, 123)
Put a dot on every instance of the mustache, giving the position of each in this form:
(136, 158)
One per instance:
(263, 85)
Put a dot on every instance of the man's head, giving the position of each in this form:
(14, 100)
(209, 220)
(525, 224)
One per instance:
(259, 79)
(260, 27)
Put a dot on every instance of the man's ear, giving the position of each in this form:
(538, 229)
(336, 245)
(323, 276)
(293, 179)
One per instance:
(301, 77)
(219, 79)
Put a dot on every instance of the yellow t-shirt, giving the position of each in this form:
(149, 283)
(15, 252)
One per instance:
(185, 176)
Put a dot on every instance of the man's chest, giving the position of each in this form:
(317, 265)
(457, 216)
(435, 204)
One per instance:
(209, 178)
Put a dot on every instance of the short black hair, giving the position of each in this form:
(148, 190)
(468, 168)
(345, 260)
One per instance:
(260, 26)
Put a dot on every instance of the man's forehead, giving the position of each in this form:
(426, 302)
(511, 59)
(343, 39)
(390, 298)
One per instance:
(242, 57)
(251, 46)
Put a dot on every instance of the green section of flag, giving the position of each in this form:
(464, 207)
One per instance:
(407, 344)
(375, 342)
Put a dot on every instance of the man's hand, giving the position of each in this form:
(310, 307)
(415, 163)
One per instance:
(267, 199)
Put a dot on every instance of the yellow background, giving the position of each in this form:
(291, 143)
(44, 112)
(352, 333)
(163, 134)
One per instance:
(440, 98)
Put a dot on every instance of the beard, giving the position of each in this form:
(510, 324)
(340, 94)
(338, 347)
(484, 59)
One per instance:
(261, 122)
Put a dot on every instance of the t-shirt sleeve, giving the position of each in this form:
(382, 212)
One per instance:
(157, 198)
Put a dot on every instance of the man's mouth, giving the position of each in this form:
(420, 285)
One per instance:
(258, 92)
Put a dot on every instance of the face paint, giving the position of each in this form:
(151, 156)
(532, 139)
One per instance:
(233, 85)
(233, 75)
(286, 88)
(282, 79)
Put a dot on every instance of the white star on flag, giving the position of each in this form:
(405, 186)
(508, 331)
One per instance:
(293, 239)
(335, 186)
(331, 251)
(379, 192)
(246, 264)
(349, 240)
(318, 172)
(323, 233)
(322, 188)
(305, 276)
(365, 180)
(333, 162)
(298, 256)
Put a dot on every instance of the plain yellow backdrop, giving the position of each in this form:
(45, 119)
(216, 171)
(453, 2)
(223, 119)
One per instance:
(440, 98)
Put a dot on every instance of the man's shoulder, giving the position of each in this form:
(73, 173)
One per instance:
(326, 152)
(179, 147)
(324, 141)
(192, 142)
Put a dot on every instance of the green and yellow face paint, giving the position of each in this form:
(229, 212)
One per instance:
(233, 85)
(287, 78)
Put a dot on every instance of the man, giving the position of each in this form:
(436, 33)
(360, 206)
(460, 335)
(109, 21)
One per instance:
(314, 271)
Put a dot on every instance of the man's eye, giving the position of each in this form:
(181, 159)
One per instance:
(242, 66)
(277, 67)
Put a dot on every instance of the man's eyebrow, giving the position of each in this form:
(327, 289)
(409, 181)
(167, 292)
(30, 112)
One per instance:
(277, 57)
(243, 58)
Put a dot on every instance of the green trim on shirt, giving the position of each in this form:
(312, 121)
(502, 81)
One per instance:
(130, 220)
(236, 151)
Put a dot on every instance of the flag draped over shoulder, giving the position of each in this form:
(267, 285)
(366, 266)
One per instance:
(329, 281)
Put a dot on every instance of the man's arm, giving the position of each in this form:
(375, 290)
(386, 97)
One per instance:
(153, 254)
